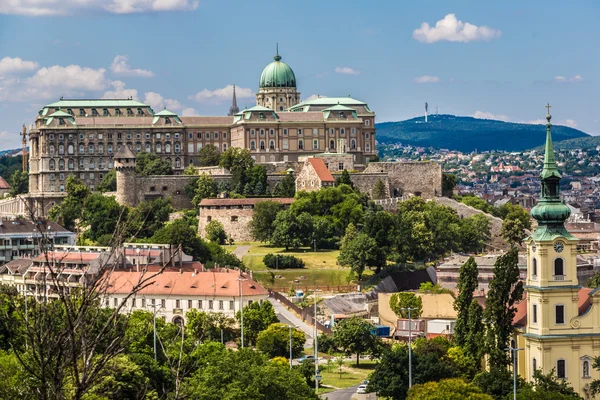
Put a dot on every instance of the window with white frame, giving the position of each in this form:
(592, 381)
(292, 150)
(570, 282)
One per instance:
(534, 268)
(285, 144)
(315, 144)
(559, 269)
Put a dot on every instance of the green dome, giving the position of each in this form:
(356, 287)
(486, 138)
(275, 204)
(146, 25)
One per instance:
(277, 74)
(550, 212)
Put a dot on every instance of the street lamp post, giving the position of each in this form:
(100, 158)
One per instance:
(514, 350)
(240, 279)
(291, 327)
(409, 344)
(154, 326)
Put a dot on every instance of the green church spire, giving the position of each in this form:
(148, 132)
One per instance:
(550, 212)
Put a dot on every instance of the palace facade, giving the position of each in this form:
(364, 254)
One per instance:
(80, 136)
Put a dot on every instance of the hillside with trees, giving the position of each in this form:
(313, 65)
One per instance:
(468, 134)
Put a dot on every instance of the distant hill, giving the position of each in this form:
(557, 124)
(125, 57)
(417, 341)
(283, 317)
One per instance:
(467, 134)
(584, 143)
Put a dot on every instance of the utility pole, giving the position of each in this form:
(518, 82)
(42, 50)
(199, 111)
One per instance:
(154, 327)
(241, 279)
(514, 350)
(409, 344)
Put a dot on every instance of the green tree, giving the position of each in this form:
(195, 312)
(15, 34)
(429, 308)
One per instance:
(390, 377)
(497, 382)
(108, 182)
(505, 290)
(360, 252)
(209, 156)
(515, 224)
(19, 183)
(548, 387)
(344, 179)
(257, 179)
(467, 284)
(475, 232)
(275, 341)
(147, 164)
(292, 231)
(262, 224)
(215, 232)
(257, 318)
(102, 214)
(401, 300)
(205, 186)
(239, 162)
(286, 187)
(356, 336)
(209, 326)
(447, 389)
(594, 281)
(379, 191)
(148, 217)
(476, 331)
(67, 212)
(190, 170)
(179, 233)
(448, 184)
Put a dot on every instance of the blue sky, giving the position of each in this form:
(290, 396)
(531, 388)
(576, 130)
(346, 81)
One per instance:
(501, 60)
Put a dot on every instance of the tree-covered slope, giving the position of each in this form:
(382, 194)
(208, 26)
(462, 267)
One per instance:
(584, 143)
(468, 134)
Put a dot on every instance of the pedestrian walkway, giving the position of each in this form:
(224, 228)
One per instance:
(241, 251)
(287, 317)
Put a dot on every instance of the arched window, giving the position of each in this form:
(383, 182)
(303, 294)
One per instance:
(262, 144)
(70, 148)
(167, 147)
(177, 147)
(91, 148)
(177, 162)
(368, 147)
(252, 132)
(262, 132)
(561, 369)
(168, 160)
(51, 149)
(109, 148)
(280, 108)
(148, 147)
(51, 164)
(158, 148)
(331, 144)
(81, 148)
(534, 267)
(559, 269)
(71, 164)
(272, 158)
(585, 368)
(342, 131)
(252, 145)
(138, 147)
(101, 163)
(353, 144)
(300, 145)
(61, 149)
(61, 164)
(272, 145)
(101, 148)
(271, 132)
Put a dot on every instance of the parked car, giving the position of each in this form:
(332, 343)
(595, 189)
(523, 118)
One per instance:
(362, 389)
(304, 358)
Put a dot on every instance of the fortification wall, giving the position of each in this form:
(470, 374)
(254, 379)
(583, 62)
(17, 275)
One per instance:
(148, 188)
(419, 178)
(465, 211)
(235, 221)
(365, 182)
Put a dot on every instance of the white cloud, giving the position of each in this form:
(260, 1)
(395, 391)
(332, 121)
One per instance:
(572, 79)
(221, 95)
(488, 115)
(188, 112)
(535, 122)
(157, 102)
(569, 122)
(427, 79)
(120, 66)
(54, 81)
(452, 30)
(37, 8)
(10, 65)
(313, 97)
(119, 92)
(346, 71)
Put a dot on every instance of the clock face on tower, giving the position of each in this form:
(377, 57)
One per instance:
(559, 247)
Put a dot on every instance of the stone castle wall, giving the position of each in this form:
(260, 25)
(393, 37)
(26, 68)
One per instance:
(148, 188)
(365, 182)
(235, 221)
(419, 178)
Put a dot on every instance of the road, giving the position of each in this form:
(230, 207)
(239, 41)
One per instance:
(287, 317)
(348, 394)
(240, 251)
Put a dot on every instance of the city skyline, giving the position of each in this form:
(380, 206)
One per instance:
(489, 61)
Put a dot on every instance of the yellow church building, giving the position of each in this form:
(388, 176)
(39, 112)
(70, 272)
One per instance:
(558, 325)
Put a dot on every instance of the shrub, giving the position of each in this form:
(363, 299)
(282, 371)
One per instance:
(282, 262)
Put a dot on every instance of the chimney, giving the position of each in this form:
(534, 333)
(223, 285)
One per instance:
(180, 271)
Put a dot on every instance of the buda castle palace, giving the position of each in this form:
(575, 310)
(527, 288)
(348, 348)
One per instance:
(81, 136)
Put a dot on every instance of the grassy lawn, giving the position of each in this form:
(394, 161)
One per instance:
(322, 259)
(350, 376)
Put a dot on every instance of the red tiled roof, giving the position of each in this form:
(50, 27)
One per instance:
(4, 184)
(243, 202)
(321, 169)
(186, 283)
(67, 257)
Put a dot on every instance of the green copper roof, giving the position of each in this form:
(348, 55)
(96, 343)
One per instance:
(550, 212)
(60, 113)
(277, 74)
(165, 113)
(339, 107)
(328, 101)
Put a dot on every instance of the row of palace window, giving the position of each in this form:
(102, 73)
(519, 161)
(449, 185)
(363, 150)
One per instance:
(315, 132)
(559, 314)
(105, 112)
(91, 165)
(208, 135)
(91, 148)
(100, 136)
(200, 304)
(285, 145)
(82, 176)
(559, 269)
(199, 146)
(561, 367)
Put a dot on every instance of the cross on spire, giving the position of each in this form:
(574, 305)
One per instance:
(548, 107)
